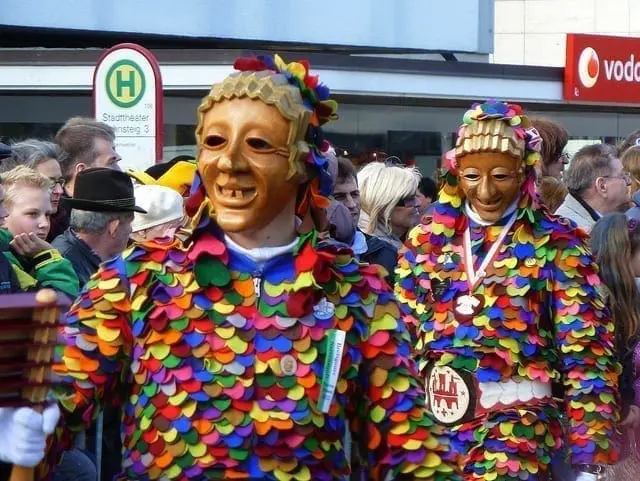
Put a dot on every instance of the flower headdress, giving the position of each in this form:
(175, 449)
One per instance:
(499, 127)
(307, 105)
(488, 127)
(314, 94)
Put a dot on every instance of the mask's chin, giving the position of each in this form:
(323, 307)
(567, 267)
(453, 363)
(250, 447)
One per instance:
(490, 218)
(489, 212)
(235, 222)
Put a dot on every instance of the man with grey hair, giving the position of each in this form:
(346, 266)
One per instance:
(597, 184)
(102, 210)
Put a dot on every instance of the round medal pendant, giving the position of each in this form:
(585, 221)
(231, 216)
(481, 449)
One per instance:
(468, 306)
(288, 364)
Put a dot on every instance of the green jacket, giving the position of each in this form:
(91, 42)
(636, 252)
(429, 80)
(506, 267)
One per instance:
(47, 269)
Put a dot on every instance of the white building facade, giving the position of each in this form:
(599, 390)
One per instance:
(533, 32)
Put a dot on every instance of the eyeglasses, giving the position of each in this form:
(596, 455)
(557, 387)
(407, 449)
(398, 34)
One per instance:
(624, 176)
(61, 181)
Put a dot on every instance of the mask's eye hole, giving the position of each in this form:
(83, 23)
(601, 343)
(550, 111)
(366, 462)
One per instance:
(214, 140)
(259, 144)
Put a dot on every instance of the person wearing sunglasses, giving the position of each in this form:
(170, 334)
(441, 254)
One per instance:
(389, 207)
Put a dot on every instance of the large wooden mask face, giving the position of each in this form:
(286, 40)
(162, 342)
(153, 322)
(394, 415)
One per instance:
(490, 182)
(244, 163)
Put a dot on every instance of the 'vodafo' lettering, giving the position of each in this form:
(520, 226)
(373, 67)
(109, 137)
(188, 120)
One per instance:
(628, 71)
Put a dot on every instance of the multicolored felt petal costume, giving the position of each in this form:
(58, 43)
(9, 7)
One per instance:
(543, 320)
(218, 381)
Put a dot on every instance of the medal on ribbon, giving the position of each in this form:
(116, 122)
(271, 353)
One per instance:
(469, 305)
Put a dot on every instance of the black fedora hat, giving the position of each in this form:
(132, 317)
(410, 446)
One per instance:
(103, 190)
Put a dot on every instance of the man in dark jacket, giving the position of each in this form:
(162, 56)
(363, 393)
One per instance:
(101, 213)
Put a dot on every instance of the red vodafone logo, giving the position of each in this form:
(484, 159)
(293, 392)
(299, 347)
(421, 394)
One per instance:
(588, 67)
(602, 68)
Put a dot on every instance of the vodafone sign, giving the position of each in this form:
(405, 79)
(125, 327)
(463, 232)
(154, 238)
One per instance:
(602, 69)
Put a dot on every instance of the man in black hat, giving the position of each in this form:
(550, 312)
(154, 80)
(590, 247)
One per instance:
(102, 209)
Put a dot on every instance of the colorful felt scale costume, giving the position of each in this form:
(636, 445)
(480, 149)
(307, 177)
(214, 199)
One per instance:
(229, 368)
(492, 338)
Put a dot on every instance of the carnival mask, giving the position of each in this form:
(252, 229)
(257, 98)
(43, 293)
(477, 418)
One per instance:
(244, 163)
(490, 182)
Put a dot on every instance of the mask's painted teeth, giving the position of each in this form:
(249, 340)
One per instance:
(236, 193)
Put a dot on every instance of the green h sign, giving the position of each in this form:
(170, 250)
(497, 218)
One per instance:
(125, 83)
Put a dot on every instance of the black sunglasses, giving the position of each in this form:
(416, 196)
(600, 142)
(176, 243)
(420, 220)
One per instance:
(409, 201)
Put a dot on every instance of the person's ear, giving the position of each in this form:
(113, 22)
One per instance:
(112, 227)
(601, 185)
(80, 166)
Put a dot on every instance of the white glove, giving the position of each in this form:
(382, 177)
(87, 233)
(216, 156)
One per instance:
(582, 476)
(23, 434)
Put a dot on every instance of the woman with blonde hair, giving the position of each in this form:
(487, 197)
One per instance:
(388, 196)
(631, 164)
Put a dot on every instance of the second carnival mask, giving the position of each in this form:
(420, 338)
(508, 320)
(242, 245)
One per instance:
(489, 164)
